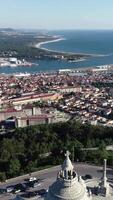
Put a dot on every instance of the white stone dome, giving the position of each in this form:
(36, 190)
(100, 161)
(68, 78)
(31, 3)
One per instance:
(68, 186)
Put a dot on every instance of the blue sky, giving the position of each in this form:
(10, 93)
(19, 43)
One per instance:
(57, 14)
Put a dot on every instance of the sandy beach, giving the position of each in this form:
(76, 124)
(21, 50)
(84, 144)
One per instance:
(46, 42)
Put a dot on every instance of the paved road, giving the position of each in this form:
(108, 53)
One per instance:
(108, 148)
(48, 176)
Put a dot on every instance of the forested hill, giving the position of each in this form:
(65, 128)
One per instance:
(20, 44)
(21, 152)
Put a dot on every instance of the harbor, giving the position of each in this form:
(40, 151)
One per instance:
(13, 62)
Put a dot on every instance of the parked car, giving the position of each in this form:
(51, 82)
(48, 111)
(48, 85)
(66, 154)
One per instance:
(42, 192)
(3, 191)
(35, 183)
(16, 190)
(19, 188)
(32, 179)
(10, 189)
(29, 195)
(87, 176)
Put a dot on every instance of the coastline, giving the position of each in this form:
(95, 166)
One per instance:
(102, 68)
(47, 42)
(39, 46)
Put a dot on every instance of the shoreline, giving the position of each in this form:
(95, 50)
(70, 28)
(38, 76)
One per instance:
(47, 42)
(75, 70)
(38, 45)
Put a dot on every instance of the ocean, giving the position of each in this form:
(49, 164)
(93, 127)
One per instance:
(90, 42)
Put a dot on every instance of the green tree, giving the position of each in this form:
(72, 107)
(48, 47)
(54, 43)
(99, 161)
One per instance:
(7, 149)
(2, 176)
(14, 167)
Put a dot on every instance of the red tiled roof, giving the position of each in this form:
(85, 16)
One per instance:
(10, 111)
(29, 97)
(36, 117)
(32, 97)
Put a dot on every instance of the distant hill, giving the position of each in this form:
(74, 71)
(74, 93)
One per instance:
(7, 29)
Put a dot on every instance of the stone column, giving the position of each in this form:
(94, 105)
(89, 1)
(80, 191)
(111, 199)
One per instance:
(103, 188)
(104, 173)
